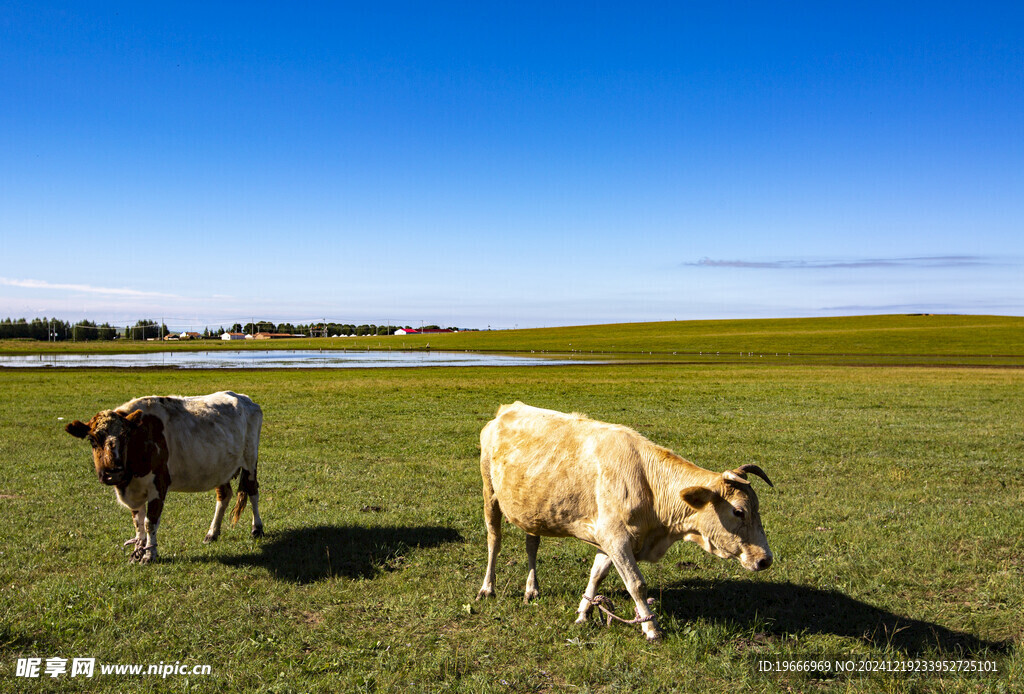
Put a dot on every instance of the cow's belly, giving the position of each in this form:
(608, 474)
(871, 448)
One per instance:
(536, 498)
(536, 493)
(539, 521)
(195, 478)
(548, 516)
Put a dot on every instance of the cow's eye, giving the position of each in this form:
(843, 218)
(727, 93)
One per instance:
(738, 512)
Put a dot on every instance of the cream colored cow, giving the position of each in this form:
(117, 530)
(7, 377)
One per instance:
(564, 475)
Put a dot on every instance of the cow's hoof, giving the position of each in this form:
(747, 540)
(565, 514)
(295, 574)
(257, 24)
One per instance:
(257, 531)
(143, 555)
(210, 537)
(653, 636)
(582, 618)
(530, 595)
(485, 593)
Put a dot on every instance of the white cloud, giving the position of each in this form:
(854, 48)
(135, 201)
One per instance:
(84, 288)
(945, 261)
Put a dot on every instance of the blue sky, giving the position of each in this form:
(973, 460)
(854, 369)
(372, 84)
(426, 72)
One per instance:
(509, 164)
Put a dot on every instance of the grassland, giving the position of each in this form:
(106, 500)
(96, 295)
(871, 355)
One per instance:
(892, 340)
(895, 523)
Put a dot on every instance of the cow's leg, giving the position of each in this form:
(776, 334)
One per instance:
(625, 563)
(140, 530)
(532, 587)
(257, 522)
(147, 553)
(492, 519)
(223, 496)
(602, 565)
(248, 479)
(248, 488)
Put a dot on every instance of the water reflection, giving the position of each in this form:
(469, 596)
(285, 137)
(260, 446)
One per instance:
(275, 359)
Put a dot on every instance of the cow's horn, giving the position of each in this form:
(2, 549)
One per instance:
(734, 477)
(754, 470)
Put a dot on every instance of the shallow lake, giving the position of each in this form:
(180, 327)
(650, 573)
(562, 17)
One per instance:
(275, 359)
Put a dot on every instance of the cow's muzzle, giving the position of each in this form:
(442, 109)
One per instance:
(112, 477)
(759, 564)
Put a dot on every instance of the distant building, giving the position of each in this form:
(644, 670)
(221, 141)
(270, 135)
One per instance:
(232, 336)
(428, 331)
(272, 336)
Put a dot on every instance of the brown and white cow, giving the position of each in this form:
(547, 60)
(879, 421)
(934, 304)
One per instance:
(564, 475)
(157, 444)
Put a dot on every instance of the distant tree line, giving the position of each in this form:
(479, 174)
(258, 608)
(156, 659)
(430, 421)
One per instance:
(312, 329)
(52, 329)
(87, 330)
(55, 330)
(36, 329)
(145, 330)
(322, 329)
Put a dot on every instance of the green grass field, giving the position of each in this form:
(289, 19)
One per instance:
(895, 524)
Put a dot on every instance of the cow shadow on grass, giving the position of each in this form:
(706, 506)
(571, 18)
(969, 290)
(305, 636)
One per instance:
(778, 611)
(307, 555)
(21, 640)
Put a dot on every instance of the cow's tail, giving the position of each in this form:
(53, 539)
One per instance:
(247, 486)
(239, 507)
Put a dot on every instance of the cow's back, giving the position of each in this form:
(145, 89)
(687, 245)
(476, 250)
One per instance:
(208, 437)
(544, 467)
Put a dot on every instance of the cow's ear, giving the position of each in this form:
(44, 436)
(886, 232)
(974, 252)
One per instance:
(135, 418)
(697, 497)
(77, 429)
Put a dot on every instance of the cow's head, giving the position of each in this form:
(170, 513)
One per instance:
(727, 520)
(111, 435)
